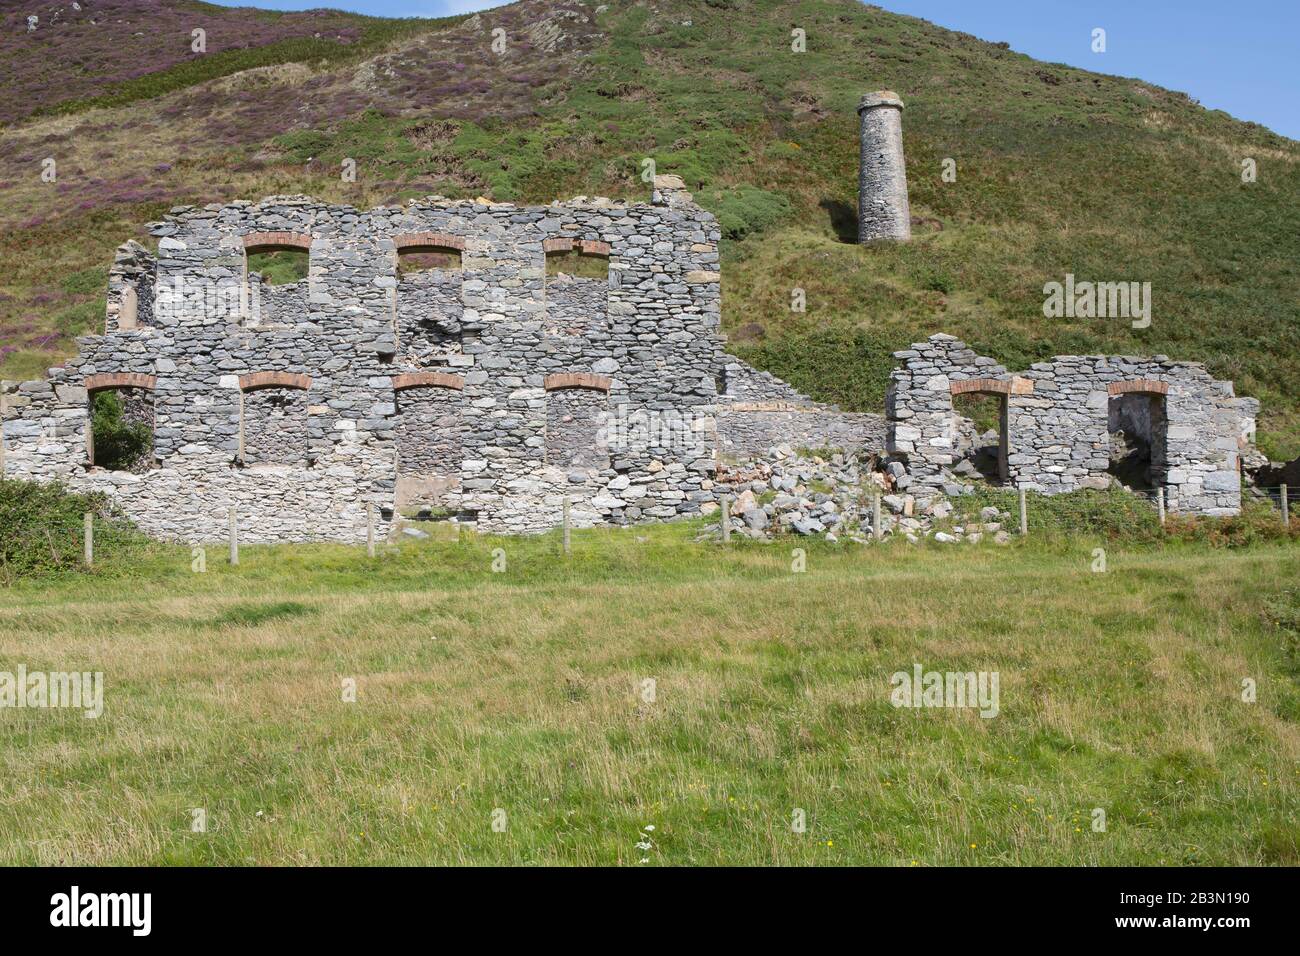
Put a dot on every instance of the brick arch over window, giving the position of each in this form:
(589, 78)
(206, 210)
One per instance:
(103, 380)
(993, 386)
(115, 450)
(588, 247)
(275, 241)
(1002, 389)
(255, 380)
(985, 386)
(427, 379)
(577, 380)
(428, 242)
(1141, 386)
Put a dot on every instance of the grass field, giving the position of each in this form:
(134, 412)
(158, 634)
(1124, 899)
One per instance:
(524, 691)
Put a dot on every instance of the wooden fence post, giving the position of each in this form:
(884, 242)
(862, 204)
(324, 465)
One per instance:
(1160, 504)
(1024, 513)
(875, 515)
(566, 525)
(1286, 509)
(726, 518)
(234, 538)
(370, 528)
(89, 535)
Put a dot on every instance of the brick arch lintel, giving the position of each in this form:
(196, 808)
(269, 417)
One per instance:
(274, 380)
(269, 241)
(577, 380)
(587, 247)
(427, 379)
(428, 240)
(1147, 386)
(102, 380)
(1016, 385)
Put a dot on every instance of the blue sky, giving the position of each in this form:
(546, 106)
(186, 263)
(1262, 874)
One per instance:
(1242, 57)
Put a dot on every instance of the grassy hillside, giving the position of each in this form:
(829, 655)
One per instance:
(1059, 170)
(524, 691)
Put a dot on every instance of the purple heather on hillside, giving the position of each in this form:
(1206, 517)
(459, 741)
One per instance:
(75, 54)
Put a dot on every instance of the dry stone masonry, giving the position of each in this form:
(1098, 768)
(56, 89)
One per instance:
(1060, 419)
(883, 209)
(489, 391)
(757, 412)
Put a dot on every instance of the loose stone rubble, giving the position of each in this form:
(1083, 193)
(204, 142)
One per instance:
(788, 493)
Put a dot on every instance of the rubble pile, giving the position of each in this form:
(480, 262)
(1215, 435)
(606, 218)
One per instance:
(833, 496)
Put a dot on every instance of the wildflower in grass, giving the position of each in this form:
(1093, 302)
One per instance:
(645, 844)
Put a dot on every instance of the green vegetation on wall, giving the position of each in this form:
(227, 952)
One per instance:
(120, 443)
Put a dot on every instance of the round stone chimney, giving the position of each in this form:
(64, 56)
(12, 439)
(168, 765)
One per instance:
(883, 212)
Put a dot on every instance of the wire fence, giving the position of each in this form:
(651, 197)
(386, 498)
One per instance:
(63, 539)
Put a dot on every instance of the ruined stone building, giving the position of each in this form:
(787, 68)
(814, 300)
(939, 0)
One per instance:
(491, 390)
(500, 380)
(1059, 423)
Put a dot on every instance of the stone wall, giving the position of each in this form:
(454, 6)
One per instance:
(278, 304)
(130, 288)
(216, 345)
(1058, 415)
(428, 431)
(757, 411)
(575, 307)
(494, 392)
(576, 423)
(275, 427)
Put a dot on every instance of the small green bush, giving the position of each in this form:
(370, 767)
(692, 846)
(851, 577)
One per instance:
(936, 280)
(86, 281)
(42, 526)
(745, 210)
(304, 144)
(120, 444)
